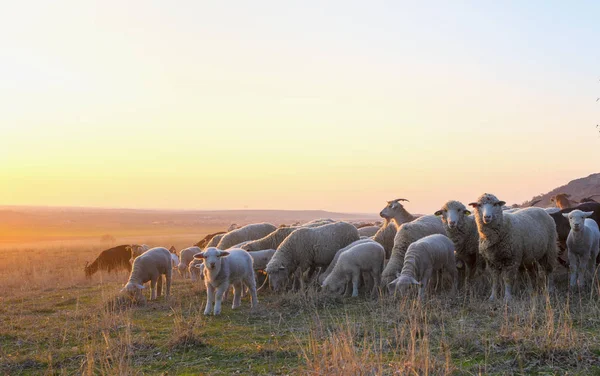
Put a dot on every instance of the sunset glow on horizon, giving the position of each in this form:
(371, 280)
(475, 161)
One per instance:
(277, 105)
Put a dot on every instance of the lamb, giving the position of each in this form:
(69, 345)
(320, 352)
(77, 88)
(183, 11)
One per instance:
(368, 230)
(110, 259)
(583, 244)
(204, 242)
(224, 268)
(367, 257)
(248, 232)
(427, 255)
(185, 257)
(308, 248)
(196, 269)
(333, 262)
(461, 228)
(562, 224)
(408, 233)
(510, 241)
(150, 266)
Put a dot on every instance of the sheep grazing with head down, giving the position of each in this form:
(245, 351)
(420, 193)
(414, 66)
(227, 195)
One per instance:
(366, 257)
(150, 266)
(137, 250)
(307, 248)
(225, 268)
(524, 238)
(433, 253)
(462, 230)
(408, 232)
(248, 232)
(333, 262)
(583, 245)
(110, 260)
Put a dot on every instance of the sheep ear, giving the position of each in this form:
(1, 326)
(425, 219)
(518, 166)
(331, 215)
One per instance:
(223, 254)
(501, 203)
(439, 212)
(415, 282)
(199, 255)
(588, 214)
(467, 212)
(282, 268)
(474, 204)
(566, 215)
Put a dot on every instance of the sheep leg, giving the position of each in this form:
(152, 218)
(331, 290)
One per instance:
(251, 284)
(376, 281)
(507, 277)
(424, 281)
(219, 297)
(237, 294)
(454, 274)
(572, 269)
(153, 288)
(581, 273)
(159, 287)
(495, 277)
(210, 298)
(168, 277)
(355, 280)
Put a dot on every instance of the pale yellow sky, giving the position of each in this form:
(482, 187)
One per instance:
(292, 106)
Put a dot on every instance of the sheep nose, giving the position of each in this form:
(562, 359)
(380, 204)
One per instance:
(451, 223)
(487, 218)
(212, 265)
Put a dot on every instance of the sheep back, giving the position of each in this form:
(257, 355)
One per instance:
(249, 232)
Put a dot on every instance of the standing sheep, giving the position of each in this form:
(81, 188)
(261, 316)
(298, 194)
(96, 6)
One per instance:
(333, 262)
(510, 241)
(367, 257)
(583, 245)
(430, 254)
(385, 236)
(248, 232)
(196, 270)
(307, 248)
(406, 235)
(461, 228)
(110, 259)
(185, 257)
(224, 268)
(150, 266)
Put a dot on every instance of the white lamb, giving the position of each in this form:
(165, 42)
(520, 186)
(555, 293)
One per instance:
(186, 256)
(583, 244)
(367, 257)
(333, 262)
(224, 268)
(525, 238)
(308, 248)
(248, 232)
(430, 254)
(196, 270)
(150, 266)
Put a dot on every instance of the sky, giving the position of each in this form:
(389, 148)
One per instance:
(336, 105)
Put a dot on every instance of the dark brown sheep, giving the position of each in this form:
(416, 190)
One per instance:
(112, 259)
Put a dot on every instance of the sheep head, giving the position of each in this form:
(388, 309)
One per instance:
(212, 259)
(401, 284)
(488, 208)
(133, 291)
(392, 209)
(577, 219)
(453, 213)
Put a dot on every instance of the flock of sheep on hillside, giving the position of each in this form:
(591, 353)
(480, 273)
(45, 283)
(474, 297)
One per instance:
(404, 251)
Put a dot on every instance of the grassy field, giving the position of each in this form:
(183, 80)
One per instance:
(54, 321)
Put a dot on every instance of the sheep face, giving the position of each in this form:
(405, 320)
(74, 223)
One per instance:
(577, 219)
(391, 209)
(402, 284)
(134, 292)
(278, 278)
(212, 260)
(488, 208)
(453, 214)
(337, 286)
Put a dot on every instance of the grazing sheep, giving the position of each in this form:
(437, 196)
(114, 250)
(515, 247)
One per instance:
(150, 266)
(215, 240)
(112, 259)
(196, 270)
(510, 241)
(427, 255)
(185, 257)
(248, 232)
(224, 268)
(562, 201)
(137, 250)
(307, 248)
(461, 228)
(204, 242)
(270, 241)
(407, 234)
(367, 257)
(385, 236)
(368, 231)
(329, 269)
(261, 258)
(583, 244)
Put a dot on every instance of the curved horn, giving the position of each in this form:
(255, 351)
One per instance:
(401, 199)
(263, 285)
(534, 202)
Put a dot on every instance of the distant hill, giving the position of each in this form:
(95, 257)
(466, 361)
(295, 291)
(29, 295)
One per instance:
(578, 188)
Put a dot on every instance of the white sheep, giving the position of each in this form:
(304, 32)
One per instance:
(196, 270)
(307, 248)
(461, 228)
(329, 269)
(433, 253)
(367, 257)
(407, 234)
(150, 266)
(214, 241)
(261, 258)
(186, 256)
(224, 268)
(271, 241)
(368, 231)
(137, 250)
(583, 244)
(524, 238)
(249, 232)
(385, 236)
